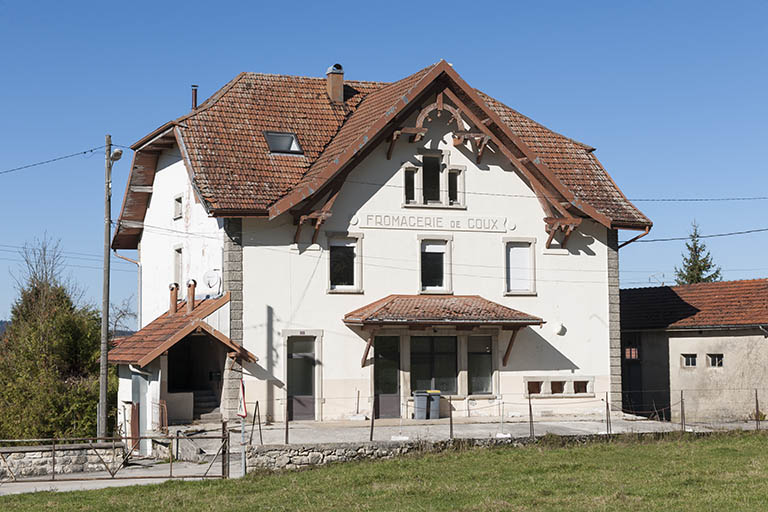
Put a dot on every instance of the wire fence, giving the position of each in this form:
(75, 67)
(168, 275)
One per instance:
(209, 449)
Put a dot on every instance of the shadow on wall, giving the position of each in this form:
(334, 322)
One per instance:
(531, 352)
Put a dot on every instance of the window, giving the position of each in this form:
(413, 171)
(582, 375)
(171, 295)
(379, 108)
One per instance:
(280, 142)
(534, 387)
(715, 360)
(519, 267)
(434, 183)
(434, 266)
(344, 264)
(631, 353)
(480, 365)
(453, 187)
(431, 179)
(557, 387)
(580, 386)
(689, 360)
(433, 363)
(178, 210)
(410, 186)
(177, 267)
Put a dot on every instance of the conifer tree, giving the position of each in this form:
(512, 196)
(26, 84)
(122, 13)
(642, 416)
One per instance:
(698, 266)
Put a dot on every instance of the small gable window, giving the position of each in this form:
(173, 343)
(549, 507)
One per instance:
(283, 142)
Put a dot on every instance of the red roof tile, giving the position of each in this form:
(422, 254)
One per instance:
(235, 173)
(721, 304)
(144, 345)
(438, 310)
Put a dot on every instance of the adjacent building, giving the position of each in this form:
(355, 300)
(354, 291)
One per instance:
(706, 343)
(343, 243)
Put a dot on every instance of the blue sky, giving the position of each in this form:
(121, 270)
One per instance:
(672, 95)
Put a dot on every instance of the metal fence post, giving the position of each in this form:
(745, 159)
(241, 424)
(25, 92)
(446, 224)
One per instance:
(53, 460)
(607, 415)
(243, 466)
(682, 411)
(373, 415)
(450, 415)
(170, 458)
(530, 417)
(757, 412)
(224, 450)
(286, 419)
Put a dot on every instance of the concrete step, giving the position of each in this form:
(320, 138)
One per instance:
(212, 416)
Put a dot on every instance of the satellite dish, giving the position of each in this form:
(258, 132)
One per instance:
(212, 279)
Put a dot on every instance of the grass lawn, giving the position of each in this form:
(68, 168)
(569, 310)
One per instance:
(722, 472)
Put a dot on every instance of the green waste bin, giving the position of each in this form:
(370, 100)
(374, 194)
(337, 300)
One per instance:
(434, 403)
(420, 405)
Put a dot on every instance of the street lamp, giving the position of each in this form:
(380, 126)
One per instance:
(110, 158)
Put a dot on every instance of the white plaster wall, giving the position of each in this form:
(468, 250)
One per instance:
(726, 393)
(124, 398)
(198, 235)
(286, 288)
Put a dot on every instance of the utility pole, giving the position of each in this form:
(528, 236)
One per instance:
(110, 158)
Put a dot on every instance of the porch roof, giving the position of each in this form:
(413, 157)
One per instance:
(457, 310)
(145, 345)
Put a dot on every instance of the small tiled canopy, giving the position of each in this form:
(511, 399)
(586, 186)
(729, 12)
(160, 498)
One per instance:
(145, 345)
(465, 311)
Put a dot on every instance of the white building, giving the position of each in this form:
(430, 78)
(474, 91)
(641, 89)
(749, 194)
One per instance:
(420, 227)
(706, 343)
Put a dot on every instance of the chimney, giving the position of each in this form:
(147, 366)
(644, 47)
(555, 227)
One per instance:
(174, 287)
(191, 284)
(194, 96)
(335, 83)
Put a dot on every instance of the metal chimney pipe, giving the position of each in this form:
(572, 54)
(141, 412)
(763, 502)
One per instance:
(174, 287)
(194, 96)
(191, 284)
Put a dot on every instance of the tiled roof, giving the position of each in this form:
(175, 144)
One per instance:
(235, 174)
(438, 310)
(720, 304)
(146, 344)
(233, 167)
(574, 164)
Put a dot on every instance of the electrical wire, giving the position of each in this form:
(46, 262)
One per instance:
(79, 153)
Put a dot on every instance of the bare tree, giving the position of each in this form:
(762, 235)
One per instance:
(121, 316)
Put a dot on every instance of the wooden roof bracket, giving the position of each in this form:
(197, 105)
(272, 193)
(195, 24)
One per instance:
(368, 346)
(508, 352)
(318, 216)
(567, 225)
(412, 130)
(547, 201)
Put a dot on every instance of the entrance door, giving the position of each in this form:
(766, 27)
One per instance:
(386, 376)
(301, 378)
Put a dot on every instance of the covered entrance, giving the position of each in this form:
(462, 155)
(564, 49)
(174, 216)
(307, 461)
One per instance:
(181, 359)
(448, 336)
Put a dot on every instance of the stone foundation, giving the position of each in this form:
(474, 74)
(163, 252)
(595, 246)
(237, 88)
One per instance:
(26, 461)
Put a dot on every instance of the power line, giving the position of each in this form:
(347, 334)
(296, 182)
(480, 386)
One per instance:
(715, 235)
(79, 153)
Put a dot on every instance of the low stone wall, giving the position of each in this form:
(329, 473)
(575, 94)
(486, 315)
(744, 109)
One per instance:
(26, 461)
(275, 457)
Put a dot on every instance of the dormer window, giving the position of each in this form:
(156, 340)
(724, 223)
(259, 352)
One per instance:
(283, 142)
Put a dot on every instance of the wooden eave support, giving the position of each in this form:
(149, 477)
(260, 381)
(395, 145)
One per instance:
(508, 352)
(567, 225)
(368, 346)
(546, 199)
(408, 130)
(321, 215)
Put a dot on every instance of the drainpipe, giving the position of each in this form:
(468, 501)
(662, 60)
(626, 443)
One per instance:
(762, 328)
(638, 237)
(138, 295)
